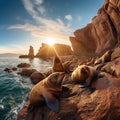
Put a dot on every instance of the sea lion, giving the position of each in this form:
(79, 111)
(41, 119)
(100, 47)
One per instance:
(66, 66)
(106, 57)
(48, 90)
(84, 75)
(57, 64)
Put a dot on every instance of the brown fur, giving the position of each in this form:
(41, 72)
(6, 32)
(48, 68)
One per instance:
(57, 65)
(51, 84)
(84, 74)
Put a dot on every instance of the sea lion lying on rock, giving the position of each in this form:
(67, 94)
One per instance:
(58, 66)
(84, 75)
(48, 90)
(106, 57)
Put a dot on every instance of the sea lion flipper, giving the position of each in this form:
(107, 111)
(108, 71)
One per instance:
(51, 101)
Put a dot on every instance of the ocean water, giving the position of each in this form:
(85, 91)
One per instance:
(14, 89)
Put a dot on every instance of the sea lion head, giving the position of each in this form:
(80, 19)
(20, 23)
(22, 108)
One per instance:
(80, 74)
(56, 78)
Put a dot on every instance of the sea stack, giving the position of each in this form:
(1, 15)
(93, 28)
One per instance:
(31, 52)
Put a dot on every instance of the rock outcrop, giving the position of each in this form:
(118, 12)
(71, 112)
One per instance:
(31, 52)
(47, 51)
(101, 34)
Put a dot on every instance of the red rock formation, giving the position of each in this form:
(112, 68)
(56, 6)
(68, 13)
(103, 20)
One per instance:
(47, 51)
(102, 34)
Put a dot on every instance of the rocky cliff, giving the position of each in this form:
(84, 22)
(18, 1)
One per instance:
(47, 51)
(102, 33)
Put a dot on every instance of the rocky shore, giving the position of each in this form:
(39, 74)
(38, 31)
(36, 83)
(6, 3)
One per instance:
(97, 102)
(100, 101)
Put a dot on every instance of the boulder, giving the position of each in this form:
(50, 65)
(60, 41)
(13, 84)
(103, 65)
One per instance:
(9, 70)
(37, 77)
(26, 72)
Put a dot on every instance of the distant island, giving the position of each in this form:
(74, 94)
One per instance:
(47, 51)
(9, 55)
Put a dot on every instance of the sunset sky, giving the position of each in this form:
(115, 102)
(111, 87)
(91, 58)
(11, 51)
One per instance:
(31, 22)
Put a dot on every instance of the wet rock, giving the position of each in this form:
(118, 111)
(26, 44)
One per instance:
(9, 70)
(14, 69)
(27, 72)
(23, 65)
(37, 77)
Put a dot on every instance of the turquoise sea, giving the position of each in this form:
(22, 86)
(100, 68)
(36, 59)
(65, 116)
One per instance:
(14, 89)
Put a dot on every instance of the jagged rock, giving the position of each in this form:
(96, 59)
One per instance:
(102, 34)
(23, 65)
(37, 77)
(47, 51)
(31, 52)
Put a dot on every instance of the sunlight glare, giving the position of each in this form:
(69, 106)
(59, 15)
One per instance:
(50, 41)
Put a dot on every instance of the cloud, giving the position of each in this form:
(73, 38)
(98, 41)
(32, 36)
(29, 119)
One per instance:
(68, 17)
(41, 9)
(38, 2)
(43, 32)
(45, 27)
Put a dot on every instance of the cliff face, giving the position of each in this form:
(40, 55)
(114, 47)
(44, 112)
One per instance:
(102, 34)
(47, 51)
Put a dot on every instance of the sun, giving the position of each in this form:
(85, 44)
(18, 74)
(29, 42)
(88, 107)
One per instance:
(50, 41)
